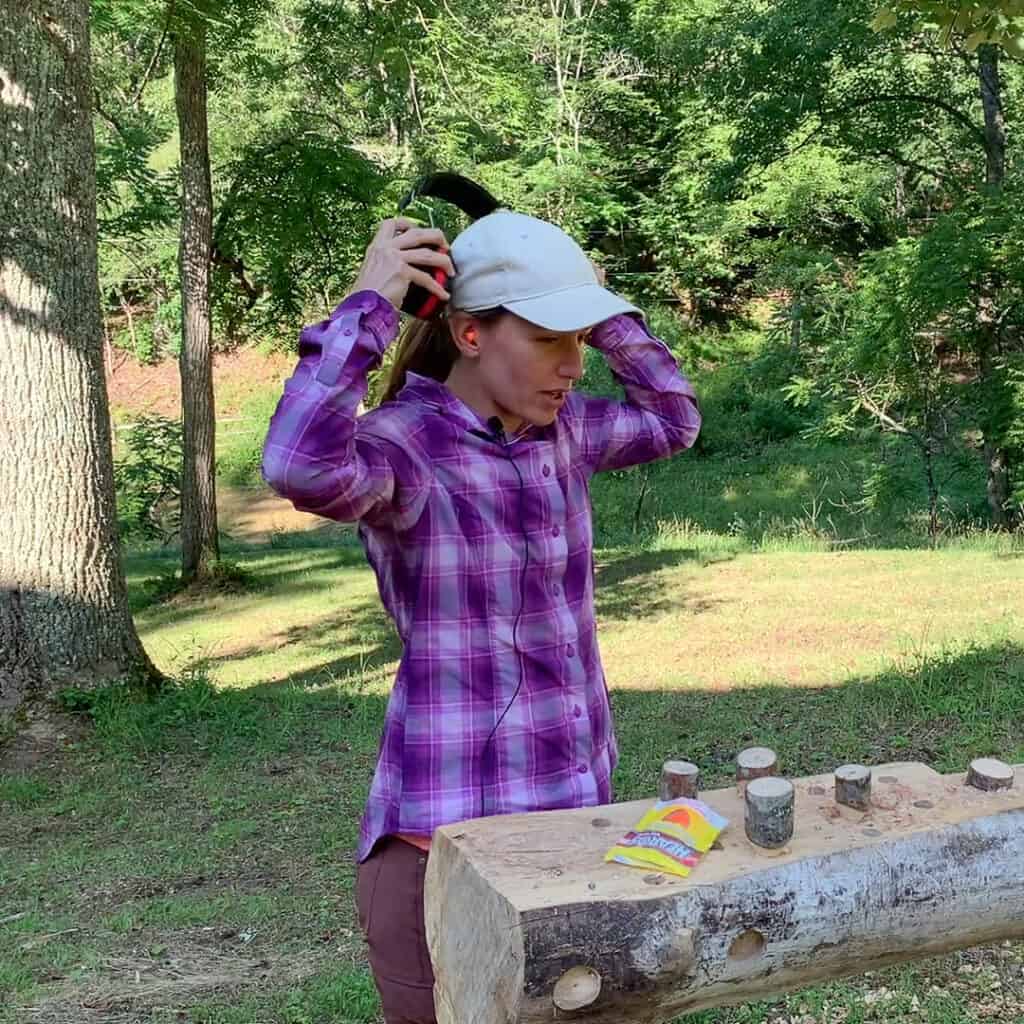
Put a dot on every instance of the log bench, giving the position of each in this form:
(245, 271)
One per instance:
(526, 923)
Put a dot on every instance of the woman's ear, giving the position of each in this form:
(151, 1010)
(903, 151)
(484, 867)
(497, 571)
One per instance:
(465, 333)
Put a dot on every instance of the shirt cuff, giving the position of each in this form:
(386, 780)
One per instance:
(379, 315)
(611, 332)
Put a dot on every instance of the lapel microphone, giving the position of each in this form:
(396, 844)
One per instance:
(495, 431)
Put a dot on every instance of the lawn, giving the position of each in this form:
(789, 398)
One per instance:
(189, 859)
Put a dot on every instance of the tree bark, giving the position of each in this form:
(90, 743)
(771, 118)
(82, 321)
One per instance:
(524, 918)
(64, 615)
(997, 457)
(199, 542)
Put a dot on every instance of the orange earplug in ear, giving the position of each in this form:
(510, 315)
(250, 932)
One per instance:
(471, 335)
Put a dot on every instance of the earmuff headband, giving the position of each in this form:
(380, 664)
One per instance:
(473, 199)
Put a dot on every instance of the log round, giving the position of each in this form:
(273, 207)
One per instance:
(989, 773)
(522, 913)
(679, 778)
(755, 762)
(768, 814)
(853, 786)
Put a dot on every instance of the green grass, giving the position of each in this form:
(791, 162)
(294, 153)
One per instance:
(194, 836)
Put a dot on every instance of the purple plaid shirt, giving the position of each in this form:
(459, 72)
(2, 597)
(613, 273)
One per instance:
(490, 582)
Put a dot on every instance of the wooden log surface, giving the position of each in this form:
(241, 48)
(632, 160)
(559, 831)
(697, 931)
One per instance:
(755, 763)
(522, 907)
(989, 773)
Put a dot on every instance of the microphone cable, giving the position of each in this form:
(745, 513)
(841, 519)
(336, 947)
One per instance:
(498, 436)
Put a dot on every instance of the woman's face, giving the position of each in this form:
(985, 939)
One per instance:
(526, 370)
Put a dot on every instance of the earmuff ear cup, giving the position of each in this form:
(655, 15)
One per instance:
(422, 304)
(474, 200)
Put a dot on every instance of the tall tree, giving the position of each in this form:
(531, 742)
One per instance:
(199, 542)
(983, 28)
(997, 454)
(64, 614)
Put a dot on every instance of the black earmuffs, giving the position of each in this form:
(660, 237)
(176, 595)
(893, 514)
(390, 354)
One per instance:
(473, 200)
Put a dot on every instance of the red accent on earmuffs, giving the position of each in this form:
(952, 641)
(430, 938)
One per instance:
(432, 301)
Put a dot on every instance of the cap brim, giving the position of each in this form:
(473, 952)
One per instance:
(571, 309)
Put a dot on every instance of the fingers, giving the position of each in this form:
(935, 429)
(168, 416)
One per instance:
(422, 278)
(413, 237)
(390, 228)
(385, 231)
(430, 258)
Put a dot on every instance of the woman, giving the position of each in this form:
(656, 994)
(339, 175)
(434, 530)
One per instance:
(470, 484)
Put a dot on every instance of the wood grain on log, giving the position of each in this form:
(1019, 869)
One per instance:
(988, 773)
(522, 912)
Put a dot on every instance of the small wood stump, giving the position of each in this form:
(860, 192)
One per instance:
(769, 812)
(679, 778)
(989, 774)
(853, 786)
(756, 763)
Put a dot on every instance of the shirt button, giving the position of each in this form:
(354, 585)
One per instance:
(546, 470)
(555, 531)
(582, 769)
(577, 711)
(570, 650)
(555, 589)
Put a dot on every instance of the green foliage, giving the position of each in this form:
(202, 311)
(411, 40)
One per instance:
(147, 478)
(300, 209)
(734, 167)
(744, 404)
(1000, 22)
(240, 449)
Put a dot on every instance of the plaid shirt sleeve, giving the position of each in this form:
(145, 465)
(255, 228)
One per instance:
(315, 453)
(660, 415)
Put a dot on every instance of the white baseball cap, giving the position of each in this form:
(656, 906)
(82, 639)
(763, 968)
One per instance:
(531, 268)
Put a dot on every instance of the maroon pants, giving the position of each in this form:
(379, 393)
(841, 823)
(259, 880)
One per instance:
(389, 898)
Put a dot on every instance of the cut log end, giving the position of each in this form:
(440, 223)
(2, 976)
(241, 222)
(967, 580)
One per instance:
(989, 774)
(679, 778)
(756, 763)
(853, 786)
(769, 812)
(577, 988)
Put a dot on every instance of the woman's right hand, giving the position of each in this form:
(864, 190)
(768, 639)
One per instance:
(394, 257)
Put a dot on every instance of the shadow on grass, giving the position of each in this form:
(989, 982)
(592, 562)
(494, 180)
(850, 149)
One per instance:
(284, 571)
(364, 625)
(942, 709)
(634, 586)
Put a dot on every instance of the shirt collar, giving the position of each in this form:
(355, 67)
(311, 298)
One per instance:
(439, 397)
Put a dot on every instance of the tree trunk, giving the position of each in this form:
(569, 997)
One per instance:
(526, 923)
(199, 543)
(64, 615)
(991, 102)
(997, 458)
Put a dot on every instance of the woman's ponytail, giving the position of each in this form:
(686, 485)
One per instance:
(424, 347)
